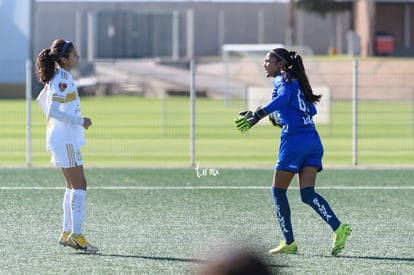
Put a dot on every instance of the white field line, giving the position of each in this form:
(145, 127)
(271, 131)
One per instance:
(207, 188)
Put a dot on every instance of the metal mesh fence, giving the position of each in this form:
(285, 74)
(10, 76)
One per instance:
(141, 113)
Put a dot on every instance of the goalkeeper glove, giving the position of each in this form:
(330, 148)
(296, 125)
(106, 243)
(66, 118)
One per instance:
(247, 119)
(274, 119)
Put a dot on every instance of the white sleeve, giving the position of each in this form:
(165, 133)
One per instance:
(43, 100)
(59, 115)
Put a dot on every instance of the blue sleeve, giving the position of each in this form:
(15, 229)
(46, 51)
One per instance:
(279, 101)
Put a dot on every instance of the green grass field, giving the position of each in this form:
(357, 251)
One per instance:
(169, 221)
(138, 131)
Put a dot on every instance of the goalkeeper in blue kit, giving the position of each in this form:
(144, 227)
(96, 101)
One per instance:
(292, 108)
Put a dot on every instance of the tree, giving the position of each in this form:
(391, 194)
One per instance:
(291, 33)
(324, 7)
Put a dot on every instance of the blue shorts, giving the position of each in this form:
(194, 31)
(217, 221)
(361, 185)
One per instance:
(300, 150)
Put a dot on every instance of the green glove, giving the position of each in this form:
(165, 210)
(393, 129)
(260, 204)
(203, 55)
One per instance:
(247, 119)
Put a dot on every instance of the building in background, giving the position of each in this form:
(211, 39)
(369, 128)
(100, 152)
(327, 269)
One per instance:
(14, 46)
(189, 29)
(385, 27)
(182, 29)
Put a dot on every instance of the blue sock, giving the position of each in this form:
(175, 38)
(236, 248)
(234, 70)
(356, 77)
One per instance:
(283, 213)
(319, 204)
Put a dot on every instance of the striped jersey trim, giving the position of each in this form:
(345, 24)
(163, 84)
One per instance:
(64, 75)
(71, 155)
(69, 97)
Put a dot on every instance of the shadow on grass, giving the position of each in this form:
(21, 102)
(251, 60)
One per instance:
(398, 259)
(172, 259)
(379, 258)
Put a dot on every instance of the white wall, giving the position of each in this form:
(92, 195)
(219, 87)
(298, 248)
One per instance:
(14, 37)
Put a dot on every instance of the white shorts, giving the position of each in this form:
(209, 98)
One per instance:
(66, 156)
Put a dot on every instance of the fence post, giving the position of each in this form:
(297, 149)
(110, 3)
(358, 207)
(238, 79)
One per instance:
(225, 60)
(28, 113)
(412, 111)
(355, 113)
(192, 112)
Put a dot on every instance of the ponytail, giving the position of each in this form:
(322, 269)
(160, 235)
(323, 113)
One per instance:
(47, 59)
(295, 70)
(45, 66)
(298, 72)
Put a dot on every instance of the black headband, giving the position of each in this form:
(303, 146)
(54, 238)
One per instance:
(281, 58)
(65, 47)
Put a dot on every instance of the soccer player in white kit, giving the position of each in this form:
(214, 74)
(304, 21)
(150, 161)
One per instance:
(65, 134)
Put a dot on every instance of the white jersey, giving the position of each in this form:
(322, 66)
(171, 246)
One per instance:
(62, 88)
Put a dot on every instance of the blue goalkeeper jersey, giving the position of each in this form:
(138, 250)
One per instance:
(294, 111)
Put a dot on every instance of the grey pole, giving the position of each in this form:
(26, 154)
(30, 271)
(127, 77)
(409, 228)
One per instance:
(192, 112)
(355, 114)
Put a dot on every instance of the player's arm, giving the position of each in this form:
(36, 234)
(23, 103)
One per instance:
(247, 119)
(277, 103)
(58, 94)
(62, 116)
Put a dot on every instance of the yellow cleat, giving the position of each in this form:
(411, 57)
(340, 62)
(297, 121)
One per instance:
(78, 241)
(63, 239)
(284, 248)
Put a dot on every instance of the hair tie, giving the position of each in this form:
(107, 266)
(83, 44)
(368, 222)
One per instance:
(49, 53)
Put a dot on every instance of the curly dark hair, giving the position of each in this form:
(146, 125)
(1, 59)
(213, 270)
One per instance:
(47, 59)
(294, 69)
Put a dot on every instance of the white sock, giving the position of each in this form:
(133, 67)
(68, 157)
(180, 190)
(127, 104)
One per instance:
(78, 210)
(67, 213)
